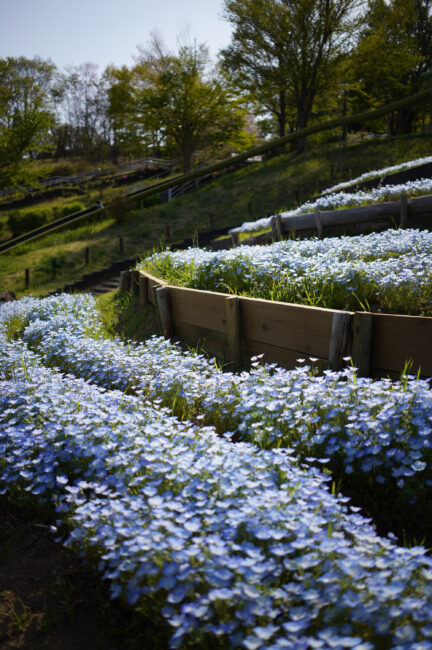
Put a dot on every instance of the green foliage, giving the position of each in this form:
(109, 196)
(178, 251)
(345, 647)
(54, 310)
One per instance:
(71, 208)
(23, 222)
(25, 113)
(122, 317)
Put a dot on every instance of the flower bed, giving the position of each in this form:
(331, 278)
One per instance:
(227, 541)
(375, 435)
(389, 271)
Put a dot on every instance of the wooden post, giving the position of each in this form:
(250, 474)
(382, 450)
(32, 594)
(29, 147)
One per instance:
(340, 339)
(54, 267)
(250, 210)
(87, 256)
(318, 224)
(234, 239)
(121, 245)
(211, 220)
(125, 281)
(26, 278)
(233, 319)
(167, 231)
(279, 227)
(404, 216)
(143, 290)
(362, 342)
(135, 282)
(164, 311)
(297, 197)
(275, 236)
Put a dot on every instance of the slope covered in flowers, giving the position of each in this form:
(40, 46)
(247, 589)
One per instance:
(227, 541)
(334, 197)
(390, 271)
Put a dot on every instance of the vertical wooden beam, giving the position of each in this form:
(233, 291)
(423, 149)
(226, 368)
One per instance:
(318, 223)
(211, 220)
(125, 281)
(250, 210)
(275, 234)
(163, 307)
(404, 215)
(362, 342)
(135, 282)
(233, 319)
(121, 247)
(234, 239)
(340, 339)
(26, 278)
(143, 290)
(279, 227)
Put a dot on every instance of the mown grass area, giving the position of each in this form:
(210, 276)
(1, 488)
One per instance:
(278, 184)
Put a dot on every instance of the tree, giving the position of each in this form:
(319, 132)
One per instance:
(25, 113)
(186, 106)
(394, 50)
(283, 52)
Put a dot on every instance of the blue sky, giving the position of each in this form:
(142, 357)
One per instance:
(105, 31)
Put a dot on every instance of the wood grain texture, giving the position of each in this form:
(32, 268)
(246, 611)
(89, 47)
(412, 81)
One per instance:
(396, 339)
(233, 319)
(200, 308)
(294, 327)
(163, 306)
(362, 341)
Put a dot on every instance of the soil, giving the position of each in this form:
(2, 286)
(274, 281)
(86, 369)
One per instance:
(49, 600)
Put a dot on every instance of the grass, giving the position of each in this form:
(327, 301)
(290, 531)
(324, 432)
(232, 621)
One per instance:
(279, 184)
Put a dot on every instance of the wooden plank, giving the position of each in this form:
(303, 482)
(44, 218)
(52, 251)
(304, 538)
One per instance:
(284, 358)
(125, 281)
(200, 338)
(233, 318)
(152, 284)
(396, 339)
(279, 227)
(200, 308)
(294, 327)
(164, 311)
(362, 340)
(340, 339)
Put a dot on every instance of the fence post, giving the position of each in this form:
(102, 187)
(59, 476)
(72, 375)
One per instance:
(121, 245)
(233, 319)
(26, 278)
(163, 307)
(125, 281)
(167, 231)
(275, 234)
(143, 289)
(404, 216)
(362, 342)
(340, 339)
(250, 210)
(318, 223)
(135, 282)
(211, 220)
(87, 255)
(279, 227)
(234, 239)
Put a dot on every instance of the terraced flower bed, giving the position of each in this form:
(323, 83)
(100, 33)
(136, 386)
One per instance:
(389, 271)
(233, 545)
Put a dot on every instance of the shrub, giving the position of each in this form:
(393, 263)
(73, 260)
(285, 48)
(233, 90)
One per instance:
(71, 208)
(20, 223)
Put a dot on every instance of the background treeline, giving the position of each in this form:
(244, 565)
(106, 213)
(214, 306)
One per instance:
(289, 63)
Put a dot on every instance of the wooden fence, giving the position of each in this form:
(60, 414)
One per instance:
(405, 213)
(235, 328)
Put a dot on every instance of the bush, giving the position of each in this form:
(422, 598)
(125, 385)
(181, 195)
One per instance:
(120, 207)
(20, 223)
(71, 208)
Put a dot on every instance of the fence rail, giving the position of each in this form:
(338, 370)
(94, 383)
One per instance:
(235, 328)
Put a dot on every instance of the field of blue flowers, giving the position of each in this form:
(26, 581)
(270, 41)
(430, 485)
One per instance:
(211, 497)
(335, 197)
(389, 271)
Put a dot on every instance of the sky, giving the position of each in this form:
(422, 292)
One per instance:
(72, 32)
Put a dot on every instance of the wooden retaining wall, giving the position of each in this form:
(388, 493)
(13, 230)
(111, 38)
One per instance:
(405, 213)
(235, 328)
